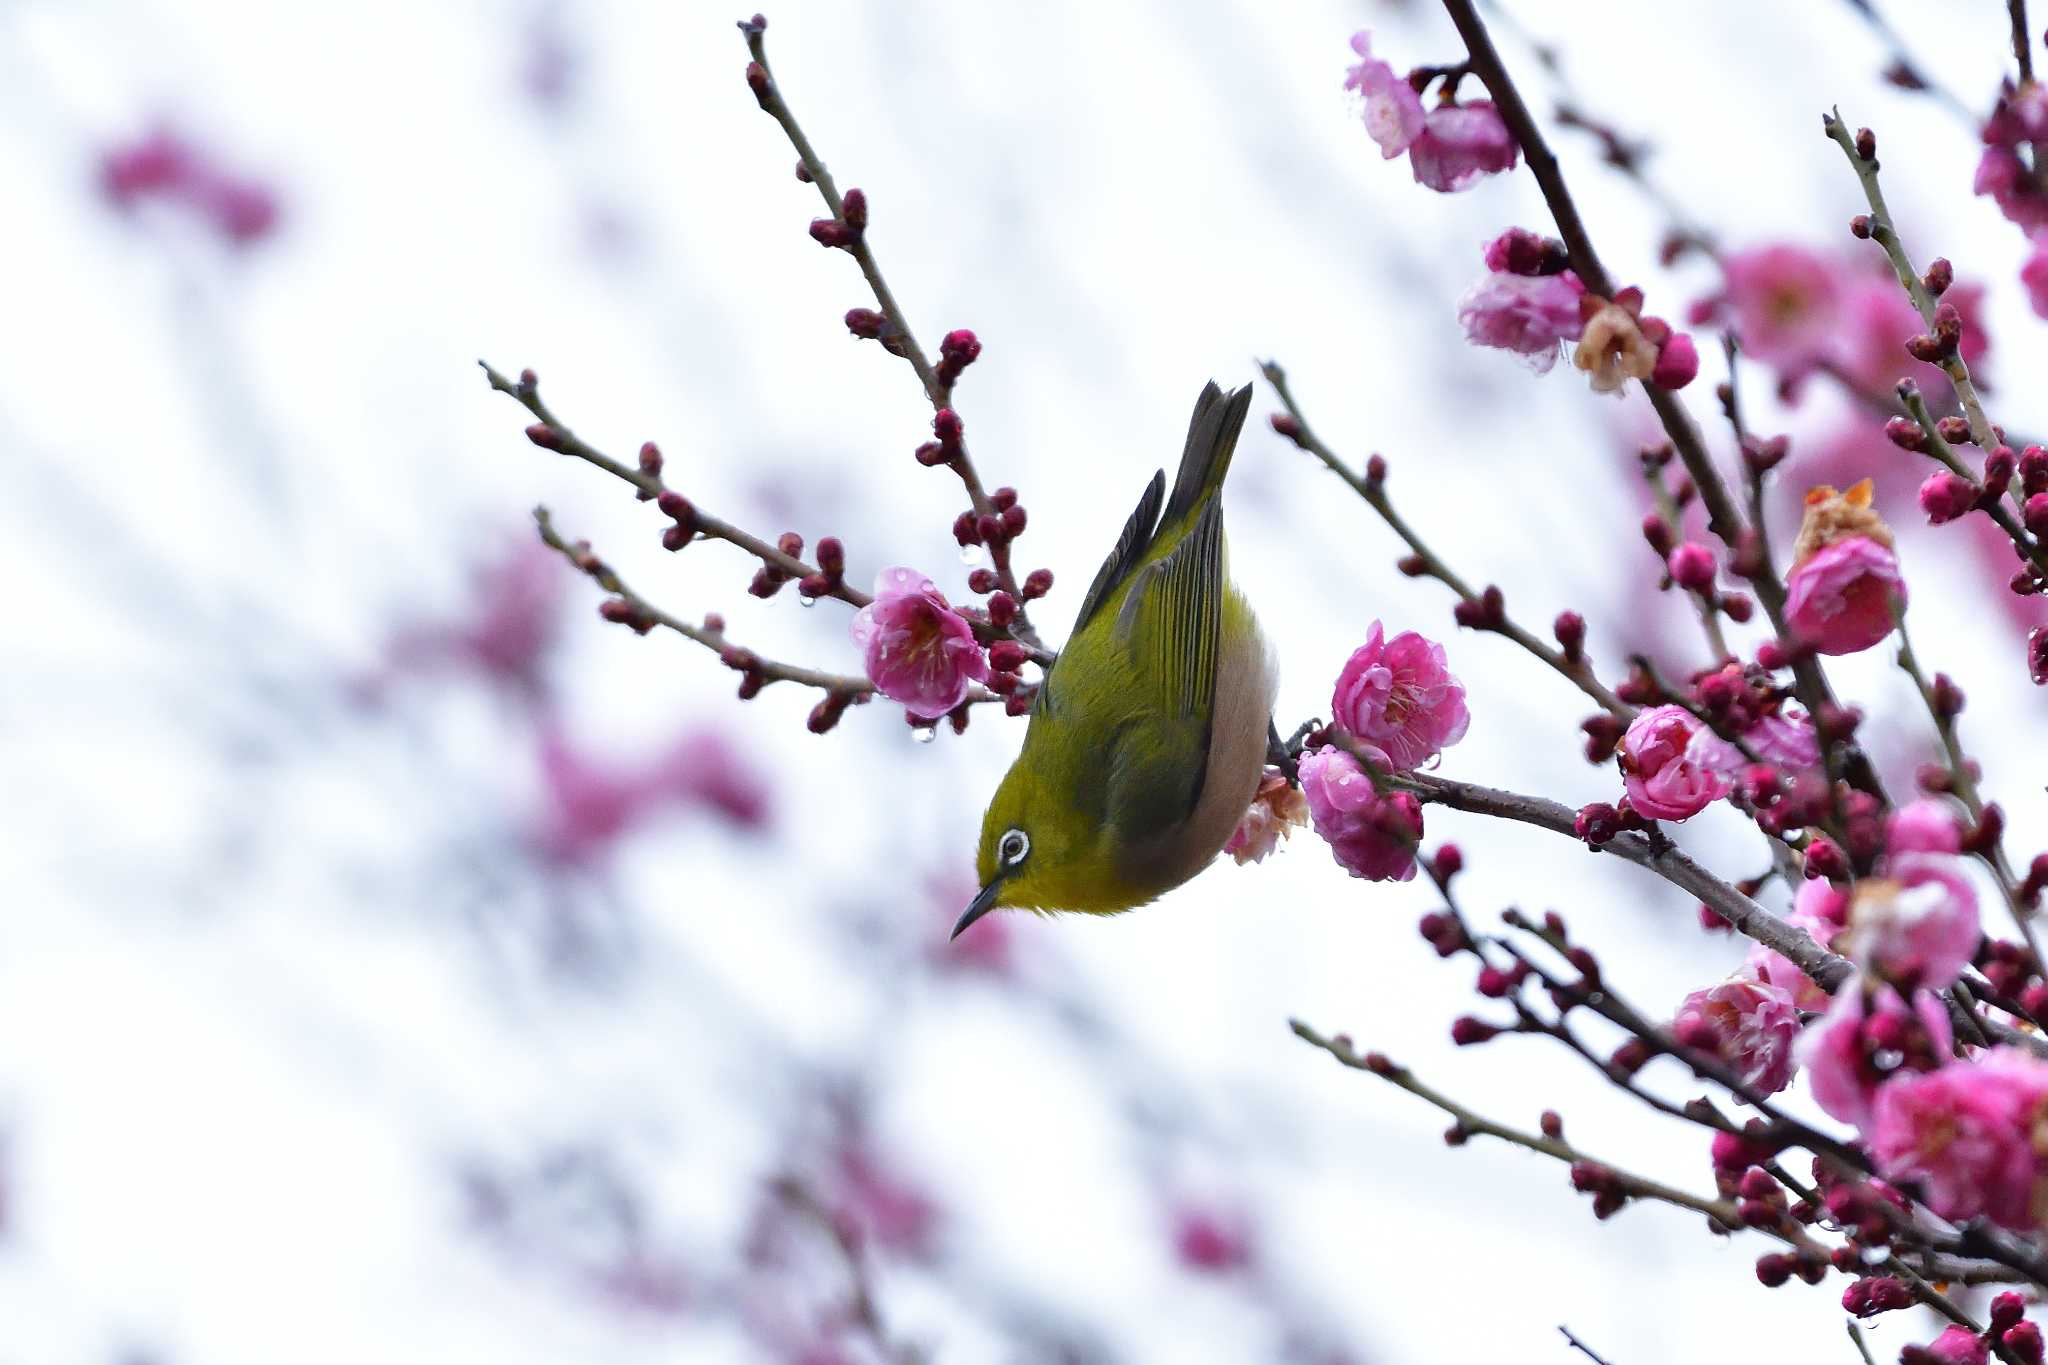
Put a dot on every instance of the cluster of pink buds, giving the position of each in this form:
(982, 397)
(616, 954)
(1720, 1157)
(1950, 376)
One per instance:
(846, 230)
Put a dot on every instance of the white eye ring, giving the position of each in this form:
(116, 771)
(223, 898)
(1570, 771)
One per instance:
(1015, 845)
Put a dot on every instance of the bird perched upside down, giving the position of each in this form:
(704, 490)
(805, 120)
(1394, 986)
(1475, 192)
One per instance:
(1149, 734)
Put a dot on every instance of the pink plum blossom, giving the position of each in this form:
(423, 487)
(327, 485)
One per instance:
(1371, 836)
(1965, 1135)
(1839, 599)
(1786, 301)
(1923, 826)
(1918, 924)
(1531, 315)
(919, 651)
(1277, 810)
(1748, 1023)
(1855, 1048)
(1673, 766)
(1460, 145)
(1392, 110)
(1399, 696)
(1785, 738)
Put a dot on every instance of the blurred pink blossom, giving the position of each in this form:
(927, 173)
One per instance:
(1854, 1048)
(1785, 738)
(1821, 909)
(919, 651)
(1531, 315)
(887, 1211)
(1460, 145)
(1391, 108)
(1211, 1240)
(1370, 835)
(1922, 826)
(1786, 301)
(1917, 925)
(589, 803)
(1964, 1133)
(164, 165)
(1400, 697)
(1749, 1023)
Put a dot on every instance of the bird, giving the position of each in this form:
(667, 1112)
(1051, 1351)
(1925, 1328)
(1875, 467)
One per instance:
(1150, 731)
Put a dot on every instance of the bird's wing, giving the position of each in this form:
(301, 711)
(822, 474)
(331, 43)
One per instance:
(1130, 548)
(1171, 621)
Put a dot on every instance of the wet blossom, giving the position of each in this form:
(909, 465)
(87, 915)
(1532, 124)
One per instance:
(1966, 1134)
(1460, 145)
(1399, 696)
(1612, 346)
(1370, 835)
(1786, 303)
(1923, 826)
(1277, 810)
(165, 167)
(919, 651)
(1866, 1037)
(1750, 1024)
(1531, 315)
(1785, 738)
(1392, 110)
(1673, 766)
(1918, 924)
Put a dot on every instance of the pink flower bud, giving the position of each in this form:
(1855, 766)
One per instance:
(1037, 584)
(1946, 495)
(1691, 566)
(1923, 826)
(1678, 362)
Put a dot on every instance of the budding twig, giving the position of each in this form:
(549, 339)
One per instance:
(902, 339)
(1579, 674)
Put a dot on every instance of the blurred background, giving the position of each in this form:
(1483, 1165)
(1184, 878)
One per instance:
(400, 963)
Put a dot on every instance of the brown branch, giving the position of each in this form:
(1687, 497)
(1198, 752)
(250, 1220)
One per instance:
(902, 340)
(2022, 39)
(1579, 674)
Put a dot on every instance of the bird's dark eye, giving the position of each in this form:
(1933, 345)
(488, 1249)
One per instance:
(1016, 843)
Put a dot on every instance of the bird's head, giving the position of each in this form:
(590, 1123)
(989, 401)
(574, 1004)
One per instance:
(1030, 849)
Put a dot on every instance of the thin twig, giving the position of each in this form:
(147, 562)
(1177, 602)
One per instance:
(562, 439)
(902, 339)
(2022, 39)
(1579, 674)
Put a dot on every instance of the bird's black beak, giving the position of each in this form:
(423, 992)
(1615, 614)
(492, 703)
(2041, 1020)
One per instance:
(983, 902)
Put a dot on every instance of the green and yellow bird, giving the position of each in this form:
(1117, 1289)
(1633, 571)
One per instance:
(1149, 734)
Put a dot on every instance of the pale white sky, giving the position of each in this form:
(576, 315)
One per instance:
(264, 989)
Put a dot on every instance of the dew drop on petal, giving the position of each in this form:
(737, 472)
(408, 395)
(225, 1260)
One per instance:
(925, 734)
(803, 601)
(970, 554)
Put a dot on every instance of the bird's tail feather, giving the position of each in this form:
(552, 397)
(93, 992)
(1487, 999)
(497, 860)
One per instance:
(1212, 438)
